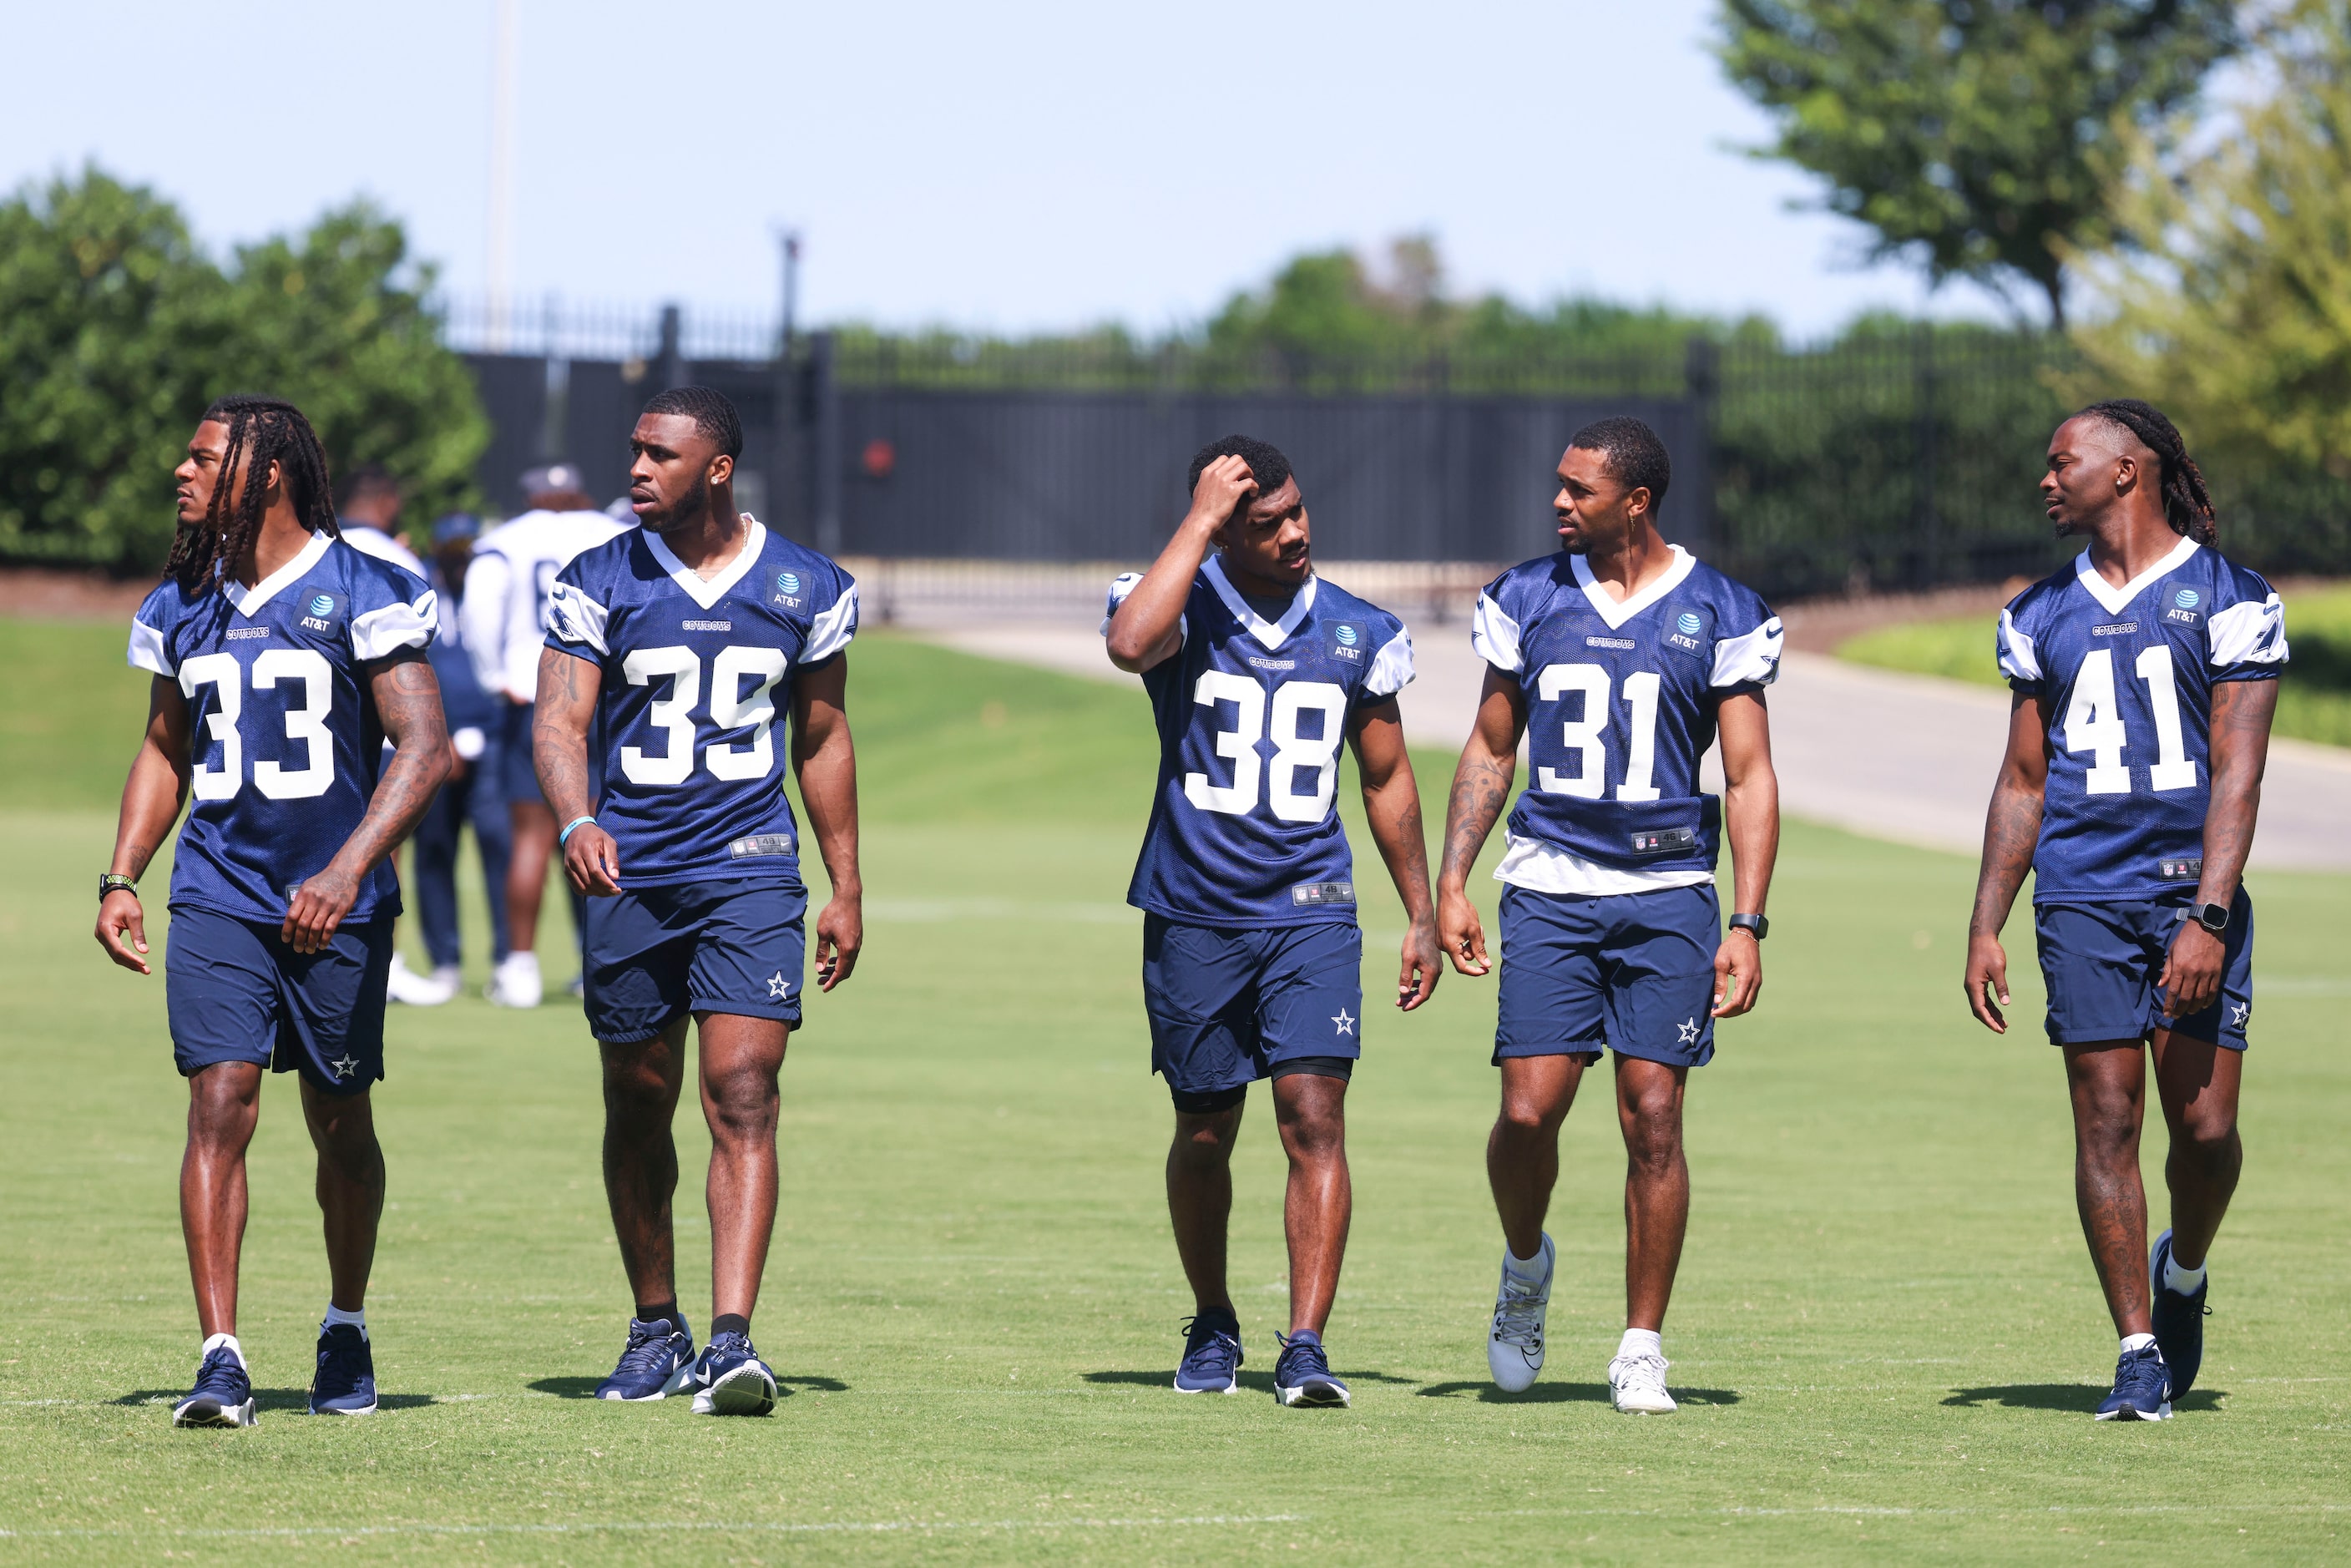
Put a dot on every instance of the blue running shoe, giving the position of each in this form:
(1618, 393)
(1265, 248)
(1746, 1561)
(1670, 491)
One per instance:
(223, 1395)
(2140, 1380)
(1302, 1375)
(344, 1383)
(657, 1362)
(731, 1380)
(1212, 1355)
(2178, 1320)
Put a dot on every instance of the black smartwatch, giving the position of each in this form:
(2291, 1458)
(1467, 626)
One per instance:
(114, 883)
(1759, 924)
(2214, 917)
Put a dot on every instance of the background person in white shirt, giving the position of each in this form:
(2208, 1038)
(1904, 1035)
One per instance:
(503, 620)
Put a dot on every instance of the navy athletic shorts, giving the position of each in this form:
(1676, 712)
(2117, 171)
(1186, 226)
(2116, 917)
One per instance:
(2102, 962)
(1229, 1006)
(236, 991)
(517, 775)
(725, 945)
(1633, 971)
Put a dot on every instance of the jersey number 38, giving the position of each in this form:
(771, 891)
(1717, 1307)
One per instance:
(1293, 752)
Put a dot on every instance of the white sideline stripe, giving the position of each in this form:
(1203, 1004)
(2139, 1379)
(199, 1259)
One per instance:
(892, 1526)
(879, 1526)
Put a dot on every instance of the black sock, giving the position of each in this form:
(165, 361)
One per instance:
(730, 1323)
(661, 1309)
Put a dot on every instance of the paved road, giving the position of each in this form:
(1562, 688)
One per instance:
(1904, 757)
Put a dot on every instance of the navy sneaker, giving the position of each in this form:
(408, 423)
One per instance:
(223, 1395)
(2140, 1380)
(1212, 1355)
(1302, 1375)
(344, 1383)
(2178, 1320)
(657, 1362)
(731, 1380)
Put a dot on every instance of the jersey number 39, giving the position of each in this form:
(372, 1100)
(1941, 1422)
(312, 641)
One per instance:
(731, 707)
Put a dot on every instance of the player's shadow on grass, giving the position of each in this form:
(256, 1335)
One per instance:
(1262, 1382)
(585, 1388)
(1562, 1393)
(275, 1399)
(2080, 1398)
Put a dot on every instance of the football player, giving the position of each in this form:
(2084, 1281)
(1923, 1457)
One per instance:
(283, 660)
(1620, 659)
(2144, 674)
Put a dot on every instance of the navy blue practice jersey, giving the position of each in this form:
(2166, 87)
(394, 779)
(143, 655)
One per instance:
(1251, 714)
(695, 675)
(2126, 675)
(1620, 702)
(283, 738)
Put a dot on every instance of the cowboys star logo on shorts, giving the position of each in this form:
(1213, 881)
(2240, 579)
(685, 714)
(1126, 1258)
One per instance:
(1689, 1032)
(777, 988)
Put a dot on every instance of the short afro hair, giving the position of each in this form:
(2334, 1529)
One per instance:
(365, 482)
(1266, 463)
(1637, 458)
(709, 409)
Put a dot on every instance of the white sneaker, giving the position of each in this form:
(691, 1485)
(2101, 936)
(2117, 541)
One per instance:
(1637, 1386)
(405, 985)
(515, 983)
(1514, 1350)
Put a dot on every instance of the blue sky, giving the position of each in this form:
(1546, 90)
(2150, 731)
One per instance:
(1011, 166)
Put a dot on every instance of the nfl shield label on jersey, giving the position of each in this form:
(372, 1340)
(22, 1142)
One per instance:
(284, 740)
(1621, 698)
(2126, 676)
(697, 674)
(1251, 714)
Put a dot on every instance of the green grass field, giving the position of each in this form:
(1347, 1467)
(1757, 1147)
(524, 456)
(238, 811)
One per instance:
(2314, 701)
(1887, 1340)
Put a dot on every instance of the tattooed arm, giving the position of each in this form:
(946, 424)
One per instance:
(152, 798)
(1392, 805)
(2241, 711)
(569, 686)
(408, 699)
(1481, 788)
(2012, 829)
(824, 758)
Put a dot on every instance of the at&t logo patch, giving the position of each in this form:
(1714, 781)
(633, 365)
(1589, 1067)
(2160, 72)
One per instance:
(2186, 599)
(1346, 643)
(788, 589)
(324, 604)
(1688, 623)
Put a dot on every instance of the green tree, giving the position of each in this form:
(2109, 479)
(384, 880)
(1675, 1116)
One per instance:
(328, 321)
(2237, 315)
(116, 331)
(107, 317)
(1976, 137)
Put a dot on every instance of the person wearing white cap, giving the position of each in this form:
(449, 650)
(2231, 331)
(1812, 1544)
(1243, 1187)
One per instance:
(503, 620)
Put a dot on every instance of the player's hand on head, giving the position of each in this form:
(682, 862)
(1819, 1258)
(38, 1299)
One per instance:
(122, 930)
(1737, 975)
(1416, 980)
(2192, 971)
(317, 910)
(593, 860)
(1461, 934)
(840, 937)
(1988, 972)
(1225, 485)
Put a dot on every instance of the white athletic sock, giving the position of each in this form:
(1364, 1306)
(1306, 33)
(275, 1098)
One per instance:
(220, 1341)
(1641, 1341)
(1524, 1268)
(2138, 1341)
(2186, 1281)
(336, 1314)
(521, 960)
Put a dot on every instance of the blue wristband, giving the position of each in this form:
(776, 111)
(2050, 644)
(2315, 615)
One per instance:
(564, 838)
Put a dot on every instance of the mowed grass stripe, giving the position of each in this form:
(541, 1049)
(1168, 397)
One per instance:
(1887, 1328)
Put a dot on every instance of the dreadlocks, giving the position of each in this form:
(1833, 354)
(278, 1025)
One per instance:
(261, 431)
(2187, 505)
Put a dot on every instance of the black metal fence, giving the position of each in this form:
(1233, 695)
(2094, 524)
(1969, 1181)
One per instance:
(1900, 459)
